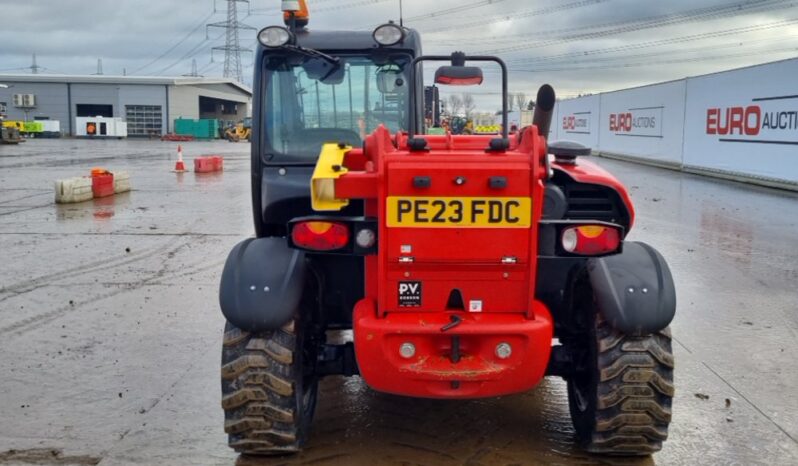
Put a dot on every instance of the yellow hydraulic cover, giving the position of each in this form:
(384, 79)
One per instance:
(329, 168)
(14, 124)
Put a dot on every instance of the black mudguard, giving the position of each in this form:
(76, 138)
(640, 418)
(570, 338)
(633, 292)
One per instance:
(262, 284)
(634, 290)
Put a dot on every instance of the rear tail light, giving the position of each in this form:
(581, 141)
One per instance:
(320, 236)
(590, 240)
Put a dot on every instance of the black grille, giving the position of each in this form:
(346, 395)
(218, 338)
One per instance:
(591, 202)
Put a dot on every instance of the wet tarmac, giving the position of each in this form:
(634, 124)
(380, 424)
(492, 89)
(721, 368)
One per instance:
(110, 333)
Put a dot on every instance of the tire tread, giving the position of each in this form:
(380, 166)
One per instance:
(634, 393)
(258, 391)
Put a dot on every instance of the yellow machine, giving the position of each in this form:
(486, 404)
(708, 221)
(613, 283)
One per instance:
(19, 125)
(243, 130)
(10, 132)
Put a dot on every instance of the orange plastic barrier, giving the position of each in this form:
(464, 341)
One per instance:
(102, 182)
(176, 137)
(208, 164)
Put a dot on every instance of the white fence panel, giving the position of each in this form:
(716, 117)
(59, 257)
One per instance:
(577, 120)
(741, 123)
(745, 121)
(645, 122)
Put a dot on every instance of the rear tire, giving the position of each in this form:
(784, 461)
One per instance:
(267, 396)
(620, 401)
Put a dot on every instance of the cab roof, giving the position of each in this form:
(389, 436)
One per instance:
(354, 40)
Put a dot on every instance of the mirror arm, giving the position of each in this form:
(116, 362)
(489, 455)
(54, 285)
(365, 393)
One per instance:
(458, 56)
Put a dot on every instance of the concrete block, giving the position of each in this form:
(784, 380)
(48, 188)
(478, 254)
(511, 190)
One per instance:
(121, 182)
(73, 190)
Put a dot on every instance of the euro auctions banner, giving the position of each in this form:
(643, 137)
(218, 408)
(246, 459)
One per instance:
(644, 122)
(637, 122)
(577, 120)
(745, 121)
(577, 123)
(766, 120)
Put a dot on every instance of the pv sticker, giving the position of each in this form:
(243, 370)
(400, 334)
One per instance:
(409, 294)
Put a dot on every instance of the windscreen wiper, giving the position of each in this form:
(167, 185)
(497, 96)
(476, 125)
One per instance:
(313, 53)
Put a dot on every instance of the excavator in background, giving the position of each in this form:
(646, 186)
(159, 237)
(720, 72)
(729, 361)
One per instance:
(8, 134)
(242, 130)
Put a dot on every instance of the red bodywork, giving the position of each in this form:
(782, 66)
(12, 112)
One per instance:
(497, 293)
(588, 172)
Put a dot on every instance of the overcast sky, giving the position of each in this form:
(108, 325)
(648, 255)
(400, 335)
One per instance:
(578, 46)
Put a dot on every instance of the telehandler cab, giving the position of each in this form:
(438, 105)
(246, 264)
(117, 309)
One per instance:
(465, 266)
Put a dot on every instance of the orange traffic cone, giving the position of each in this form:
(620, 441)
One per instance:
(180, 167)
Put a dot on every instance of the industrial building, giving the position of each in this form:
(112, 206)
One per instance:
(149, 105)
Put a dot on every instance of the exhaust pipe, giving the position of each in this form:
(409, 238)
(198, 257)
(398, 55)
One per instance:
(544, 106)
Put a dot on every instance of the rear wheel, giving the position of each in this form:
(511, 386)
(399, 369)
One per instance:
(620, 398)
(268, 390)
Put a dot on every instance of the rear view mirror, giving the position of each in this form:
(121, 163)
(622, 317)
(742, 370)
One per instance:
(336, 76)
(388, 81)
(321, 70)
(458, 75)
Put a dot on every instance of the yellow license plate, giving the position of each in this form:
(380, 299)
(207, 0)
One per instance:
(448, 212)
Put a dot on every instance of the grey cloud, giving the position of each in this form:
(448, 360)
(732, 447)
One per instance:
(69, 35)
